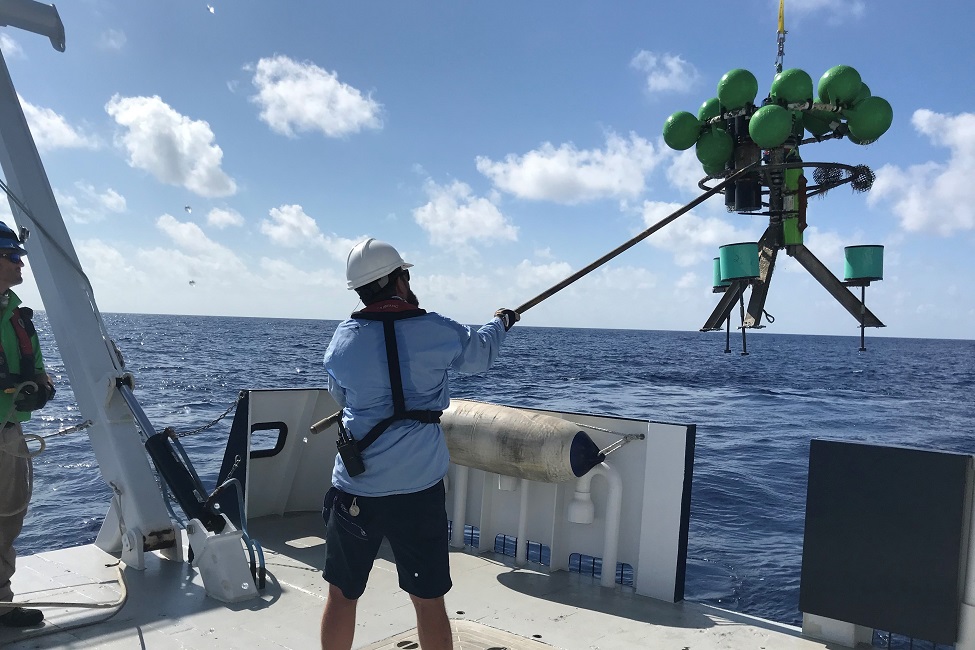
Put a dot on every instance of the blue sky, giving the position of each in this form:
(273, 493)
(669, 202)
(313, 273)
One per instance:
(245, 146)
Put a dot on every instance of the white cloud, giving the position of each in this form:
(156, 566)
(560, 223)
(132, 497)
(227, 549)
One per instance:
(835, 10)
(280, 272)
(193, 242)
(454, 216)
(295, 97)
(196, 275)
(932, 196)
(88, 204)
(172, 147)
(289, 226)
(11, 48)
(112, 39)
(826, 245)
(690, 238)
(686, 171)
(224, 217)
(568, 175)
(665, 72)
(106, 265)
(687, 281)
(533, 276)
(51, 131)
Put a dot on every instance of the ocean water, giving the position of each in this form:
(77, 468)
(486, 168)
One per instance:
(755, 416)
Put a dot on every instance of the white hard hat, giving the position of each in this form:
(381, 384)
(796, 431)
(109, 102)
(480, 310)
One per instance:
(370, 260)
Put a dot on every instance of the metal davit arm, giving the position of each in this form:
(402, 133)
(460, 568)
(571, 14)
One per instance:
(89, 358)
(34, 17)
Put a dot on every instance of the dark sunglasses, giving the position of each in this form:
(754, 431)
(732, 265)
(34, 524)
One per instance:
(13, 257)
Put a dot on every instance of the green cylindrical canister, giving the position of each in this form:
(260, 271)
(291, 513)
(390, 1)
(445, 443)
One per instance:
(717, 282)
(739, 261)
(863, 263)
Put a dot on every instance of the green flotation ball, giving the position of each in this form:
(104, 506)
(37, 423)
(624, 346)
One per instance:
(714, 147)
(770, 126)
(840, 85)
(815, 125)
(792, 85)
(714, 170)
(818, 122)
(681, 130)
(870, 119)
(737, 89)
(711, 108)
(864, 93)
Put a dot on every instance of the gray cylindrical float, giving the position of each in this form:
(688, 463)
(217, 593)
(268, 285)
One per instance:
(863, 263)
(517, 443)
(739, 261)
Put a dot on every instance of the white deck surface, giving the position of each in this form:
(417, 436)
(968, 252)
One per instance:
(493, 605)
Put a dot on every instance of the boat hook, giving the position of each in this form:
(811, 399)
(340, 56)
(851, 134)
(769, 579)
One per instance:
(635, 240)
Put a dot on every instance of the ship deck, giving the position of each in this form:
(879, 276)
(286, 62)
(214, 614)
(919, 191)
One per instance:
(493, 604)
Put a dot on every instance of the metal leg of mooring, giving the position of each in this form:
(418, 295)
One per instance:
(727, 336)
(744, 345)
(863, 309)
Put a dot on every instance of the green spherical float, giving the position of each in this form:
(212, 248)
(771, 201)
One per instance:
(817, 122)
(864, 93)
(870, 119)
(681, 130)
(770, 125)
(709, 110)
(714, 170)
(714, 147)
(792, 85)
(737, 88)
(840, 85)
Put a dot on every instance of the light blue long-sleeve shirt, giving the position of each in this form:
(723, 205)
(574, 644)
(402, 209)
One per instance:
(409, 456)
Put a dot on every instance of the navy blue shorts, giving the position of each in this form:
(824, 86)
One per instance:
(416, 527)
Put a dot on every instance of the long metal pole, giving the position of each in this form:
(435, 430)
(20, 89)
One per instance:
(633, 242)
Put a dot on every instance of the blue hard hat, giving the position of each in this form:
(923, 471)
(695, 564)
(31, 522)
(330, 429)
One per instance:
(9, 240)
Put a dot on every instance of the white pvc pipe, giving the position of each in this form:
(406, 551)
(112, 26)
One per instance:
(460, 506)
(614, 509)
(521, 550)
(507, 483)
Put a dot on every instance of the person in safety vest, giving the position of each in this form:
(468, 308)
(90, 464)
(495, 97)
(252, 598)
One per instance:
(24, 387)
(387, 367)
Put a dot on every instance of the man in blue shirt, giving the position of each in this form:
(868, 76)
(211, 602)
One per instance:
(387, 367)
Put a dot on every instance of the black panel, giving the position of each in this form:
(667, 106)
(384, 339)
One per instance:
(189, 493)
(883, 538)
(235, 462)
(685, 512)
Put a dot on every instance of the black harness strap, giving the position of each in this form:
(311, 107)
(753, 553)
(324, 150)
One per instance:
(395, 377)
